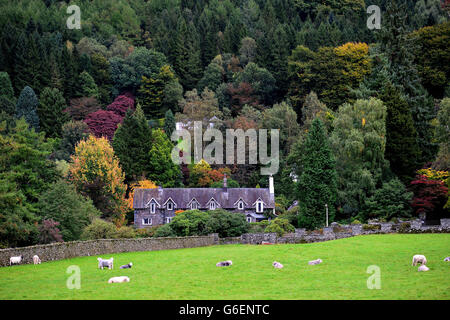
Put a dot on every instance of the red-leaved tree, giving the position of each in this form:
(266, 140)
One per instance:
(430, 197)
(121, 105)
(103, 123)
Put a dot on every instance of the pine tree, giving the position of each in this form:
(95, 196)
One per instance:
(397, 46)
(6, 89)
(132, 142)
(402, 150)
(317, 184)
(51, 112)
(87, 86)
(163, 171)
(169, 123)
(27, 107)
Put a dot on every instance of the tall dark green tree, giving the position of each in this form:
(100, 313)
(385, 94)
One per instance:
(132, 142)
(51, 112)
(169, 123)
(402, 150)
(27, 107)
(317, 183)
(398, 48)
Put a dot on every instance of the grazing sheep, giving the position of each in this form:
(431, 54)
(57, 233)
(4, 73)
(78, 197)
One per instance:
(127, 266)
(105, 263)
(418, 258)
(119, 279)
(36, 260)
(314, 262)
(15, 260)
(423, 268)
(447, 259)
(277, 265)
(224, 263)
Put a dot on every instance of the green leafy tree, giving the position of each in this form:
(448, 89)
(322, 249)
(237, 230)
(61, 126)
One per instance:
(317, 182)
(72, 133)
(359, 143)
(392, 200)
(63, 204)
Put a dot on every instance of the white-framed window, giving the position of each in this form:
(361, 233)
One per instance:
(241, 205)
(212, 205)
(259, 206)
(194, 205)
(169, 206)
(152, 207)
(169, 219)
(249, 219)
(147, 221)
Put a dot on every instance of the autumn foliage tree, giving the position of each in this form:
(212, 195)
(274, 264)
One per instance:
(430, 197)
(95, 172)
(103, 123)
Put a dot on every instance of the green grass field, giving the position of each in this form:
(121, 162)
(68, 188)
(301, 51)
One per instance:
(192, 274)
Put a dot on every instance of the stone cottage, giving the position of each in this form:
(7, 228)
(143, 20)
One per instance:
(154, 207)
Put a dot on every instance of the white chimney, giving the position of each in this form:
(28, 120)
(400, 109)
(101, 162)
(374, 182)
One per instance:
(271, 185)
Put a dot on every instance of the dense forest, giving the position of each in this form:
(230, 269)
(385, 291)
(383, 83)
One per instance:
(86, 115)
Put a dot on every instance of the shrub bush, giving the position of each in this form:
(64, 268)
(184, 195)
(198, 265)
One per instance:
(99, 229)
(280, 226)
(165, 231)
(124, 233)
(226, 224)
(371, 227)
(258, 227)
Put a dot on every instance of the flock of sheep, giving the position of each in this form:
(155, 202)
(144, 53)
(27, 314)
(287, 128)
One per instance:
(109, 263)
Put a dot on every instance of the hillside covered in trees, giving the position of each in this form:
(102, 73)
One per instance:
(86, 114)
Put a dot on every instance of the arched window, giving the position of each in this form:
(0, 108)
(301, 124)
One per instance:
(152, 207)
(212, 205)
(241, 205)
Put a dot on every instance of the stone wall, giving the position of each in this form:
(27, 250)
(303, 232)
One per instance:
(67, 250)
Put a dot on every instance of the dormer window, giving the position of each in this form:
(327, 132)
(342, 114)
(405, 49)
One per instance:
(259, 206)
(212, 205)
(194, 205)
(152, 207)
(241, 205)
(170, 206)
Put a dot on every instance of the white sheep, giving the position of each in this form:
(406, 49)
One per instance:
(423, 268)
(119, 279)
(15, 260)
(314, 262)
(418, 258)
(36, 260)
(277, 265)
(105, 263)
(224, 263)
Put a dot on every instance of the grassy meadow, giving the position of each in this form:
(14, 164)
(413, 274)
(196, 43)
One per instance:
(192, 274)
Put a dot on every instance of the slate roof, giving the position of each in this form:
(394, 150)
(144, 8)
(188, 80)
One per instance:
(226, 198)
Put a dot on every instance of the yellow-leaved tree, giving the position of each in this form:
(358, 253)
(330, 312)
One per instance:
(95, 171)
